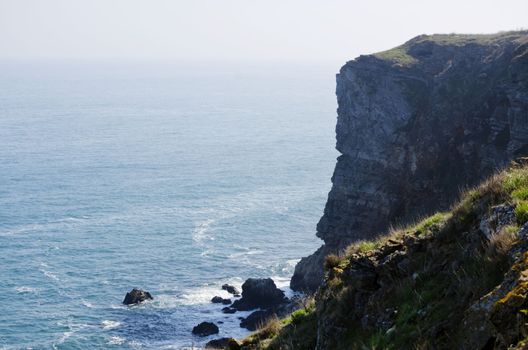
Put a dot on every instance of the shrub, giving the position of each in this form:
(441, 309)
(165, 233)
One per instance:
(331, 261)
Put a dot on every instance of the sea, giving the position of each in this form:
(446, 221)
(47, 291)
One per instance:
(170, 177)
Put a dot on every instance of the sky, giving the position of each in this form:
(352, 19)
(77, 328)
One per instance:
(332, 31)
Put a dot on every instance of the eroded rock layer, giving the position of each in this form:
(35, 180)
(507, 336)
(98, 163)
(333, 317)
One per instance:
(415, 125)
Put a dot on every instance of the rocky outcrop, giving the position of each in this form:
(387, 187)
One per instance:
(136, 296)
(205, 329)
(415, 125)
(259, 293)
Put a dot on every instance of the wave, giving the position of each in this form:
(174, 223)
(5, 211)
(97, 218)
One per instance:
(48, 273)
(109, 324)
(115, 340)
(24, 289)
(200, 231)
(43, 226)
(87, 304)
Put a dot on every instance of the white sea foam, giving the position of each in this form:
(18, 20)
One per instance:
(50, 275)
(65, 336)
(24, 289)
(115, 340)
(244, 254)
(87, 304)
(201, 229)
(109, 324)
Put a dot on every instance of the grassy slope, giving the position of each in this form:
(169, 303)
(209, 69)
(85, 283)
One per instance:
(429, 304)
(400, 54)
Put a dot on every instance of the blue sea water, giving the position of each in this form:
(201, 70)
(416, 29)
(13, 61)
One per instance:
(171, 178)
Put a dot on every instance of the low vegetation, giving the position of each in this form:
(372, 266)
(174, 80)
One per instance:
(401, 56)
(414, 287)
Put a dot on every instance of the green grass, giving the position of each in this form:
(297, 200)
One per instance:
(516, 180)
(400, 54)
(366, 246)
(521, 212)
(520, 194)
(434, 297)
(397, 55)
(427, 225)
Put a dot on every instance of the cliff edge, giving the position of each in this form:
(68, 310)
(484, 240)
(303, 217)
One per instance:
(416, 124)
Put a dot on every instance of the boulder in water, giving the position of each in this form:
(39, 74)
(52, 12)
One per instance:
(205, 328)
(230, 289)
(220, 300)
(136, 296)
(228, 310)
(259, 293)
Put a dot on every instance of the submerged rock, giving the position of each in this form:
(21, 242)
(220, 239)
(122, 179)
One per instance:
(205, 328)
(228, 310)
(259, 293)
(220, 300)
(136, 296)
(231, 289)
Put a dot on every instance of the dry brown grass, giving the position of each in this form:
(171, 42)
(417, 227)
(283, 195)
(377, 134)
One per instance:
(501, 243)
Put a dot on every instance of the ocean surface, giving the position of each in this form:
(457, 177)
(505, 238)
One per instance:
(170, 178)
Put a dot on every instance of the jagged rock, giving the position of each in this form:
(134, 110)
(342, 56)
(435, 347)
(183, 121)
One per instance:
(259, 293)
(256, 319)
(223, 344)
(205, 328)
(412, 133)
(229, 310)
(230, 289)
(220, 300)
(499, 217)
(136, 296)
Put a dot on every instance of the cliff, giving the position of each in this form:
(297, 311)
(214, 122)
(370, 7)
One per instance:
(455, 280)
(416, 124)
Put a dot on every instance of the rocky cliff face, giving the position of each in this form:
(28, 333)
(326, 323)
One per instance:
(415, 125)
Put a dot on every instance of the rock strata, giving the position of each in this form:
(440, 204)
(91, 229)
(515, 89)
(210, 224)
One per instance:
(415, 125)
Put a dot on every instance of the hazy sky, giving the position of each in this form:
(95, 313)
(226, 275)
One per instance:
(249, 30)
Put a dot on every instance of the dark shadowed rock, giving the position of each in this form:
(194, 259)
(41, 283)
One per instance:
(230, 289)
(205, 328)
(228, 310)
(259, 293)
(223, 344)
(136, 296)
(256, 319)
(220, 300)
